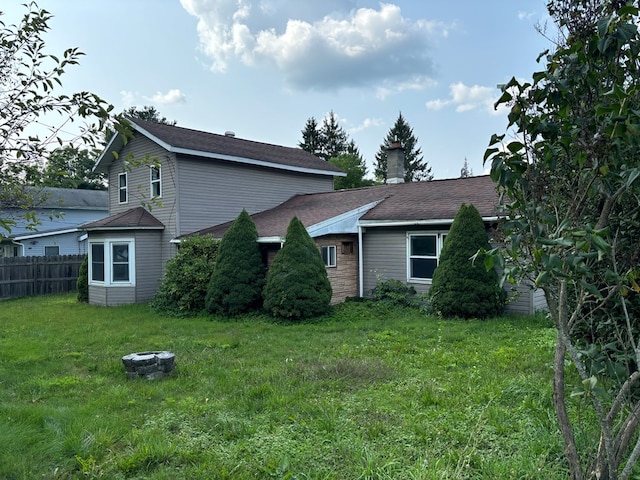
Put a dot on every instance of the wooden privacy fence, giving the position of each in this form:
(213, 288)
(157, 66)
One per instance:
(24, 276)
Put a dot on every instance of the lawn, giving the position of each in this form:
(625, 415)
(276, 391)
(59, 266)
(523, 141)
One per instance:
(369, 392)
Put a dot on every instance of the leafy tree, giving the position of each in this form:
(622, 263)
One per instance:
(184, 286)
(462, 287)
(238, 276)
(297, 284)
(83, 281)
(29, 79)
(148, 113)
(571, 200)
(311, 137)
(71, 167)
(414, 166)
(355, 167)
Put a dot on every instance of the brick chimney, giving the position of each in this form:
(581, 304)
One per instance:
(395, 163)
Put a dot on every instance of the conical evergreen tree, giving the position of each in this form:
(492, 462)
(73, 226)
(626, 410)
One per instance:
(297, 284)
(414, 166)
(335, 140)
(461, 287)
(238, 276)
(311, 137)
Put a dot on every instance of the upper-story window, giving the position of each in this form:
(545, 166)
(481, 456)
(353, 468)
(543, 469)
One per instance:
(156, 182)
(123, 191)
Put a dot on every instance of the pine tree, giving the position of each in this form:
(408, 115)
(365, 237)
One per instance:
(297, 284)
(238, 276)
(414, 167)
(311, 137)
(334, 138)
(465, 171)
(462, 287)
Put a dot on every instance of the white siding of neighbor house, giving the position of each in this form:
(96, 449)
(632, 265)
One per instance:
(67, 243)
(213, 191)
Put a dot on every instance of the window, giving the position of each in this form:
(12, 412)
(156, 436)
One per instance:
(423, 253)
(110, 263)
(329, 255)
(123, 193)
(97, 262)
(156, 182)
(51, 251)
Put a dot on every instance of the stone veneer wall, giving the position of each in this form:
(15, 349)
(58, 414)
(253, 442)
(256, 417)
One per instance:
(344, 276)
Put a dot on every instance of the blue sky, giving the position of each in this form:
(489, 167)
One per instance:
(261, 68)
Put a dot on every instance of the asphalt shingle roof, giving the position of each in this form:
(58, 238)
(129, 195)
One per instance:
(131, 219)
(405, 202)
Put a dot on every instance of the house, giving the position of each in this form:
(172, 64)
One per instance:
(168, 181)
(198, 183)
(393, 231)
(59, 212)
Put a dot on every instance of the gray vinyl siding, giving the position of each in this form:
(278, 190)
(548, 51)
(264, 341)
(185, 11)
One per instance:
(67, 243)
(98, 295)
(525, 300)
(385, 257)
(213, 191)
(148, 268)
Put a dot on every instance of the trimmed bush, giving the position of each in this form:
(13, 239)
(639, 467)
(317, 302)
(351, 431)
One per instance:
(297, 283)
(461, 287)
(239, 274)
(394, 293)
(186, 277)
(83, 281)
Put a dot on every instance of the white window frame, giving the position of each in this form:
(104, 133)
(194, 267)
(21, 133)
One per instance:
(439, 236)
(109, 262)
(51, 254)
(155, 181)
(330, 257)
(123, 189)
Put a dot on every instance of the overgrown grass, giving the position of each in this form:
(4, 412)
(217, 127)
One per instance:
(366, 393)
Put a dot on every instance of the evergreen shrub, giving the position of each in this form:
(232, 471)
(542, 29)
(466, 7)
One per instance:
(239, 274)
(462, 287)
(297, 284)
(184, 286)
(83, 281)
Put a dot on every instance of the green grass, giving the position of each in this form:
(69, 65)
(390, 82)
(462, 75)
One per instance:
(366, 393)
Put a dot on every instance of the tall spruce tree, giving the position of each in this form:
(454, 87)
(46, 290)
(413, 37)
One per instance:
(334, 138)
(238, 276)
(311, 137)
(297, 284)
(414, 167)
(462, 287)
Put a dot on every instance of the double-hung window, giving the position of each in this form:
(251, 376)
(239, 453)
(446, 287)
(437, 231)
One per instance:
(111, 263)
(123, 191)
(156, 182)
(329, 255)
(423, 251)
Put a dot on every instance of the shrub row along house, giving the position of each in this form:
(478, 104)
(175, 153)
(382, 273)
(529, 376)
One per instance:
(198, 182)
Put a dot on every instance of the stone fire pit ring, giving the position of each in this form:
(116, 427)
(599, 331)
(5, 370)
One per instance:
(149, 365)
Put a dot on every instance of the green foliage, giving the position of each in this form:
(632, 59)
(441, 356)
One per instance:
(570, 198)
(297, 284)
(393, 293)
(71, 167)
(184, 286)
(148, 113)
(356, 169)
(414, 167)
(311, 138)
(462, 287)
(238, 276)
(30, 79)
(83, 281)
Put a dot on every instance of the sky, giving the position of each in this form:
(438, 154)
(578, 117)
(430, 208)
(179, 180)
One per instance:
(261, 68)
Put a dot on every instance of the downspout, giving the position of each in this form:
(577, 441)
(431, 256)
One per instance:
(360, 263)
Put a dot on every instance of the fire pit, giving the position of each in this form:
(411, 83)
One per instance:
(149, 365)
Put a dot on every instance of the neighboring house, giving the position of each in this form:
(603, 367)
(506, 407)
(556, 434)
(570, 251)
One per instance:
(393, 231)
(59, 212)
(168, 181)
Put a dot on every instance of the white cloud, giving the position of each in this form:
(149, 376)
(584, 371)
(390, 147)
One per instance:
(128, 98)
(318, 45)
(365, 125)
(171, 97)
(466, 98)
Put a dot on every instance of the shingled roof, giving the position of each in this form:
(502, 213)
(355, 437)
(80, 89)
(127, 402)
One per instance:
(197, 143)
(433, 202)
(133, 219)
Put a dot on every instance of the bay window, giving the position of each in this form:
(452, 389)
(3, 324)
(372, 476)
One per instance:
(111, 262)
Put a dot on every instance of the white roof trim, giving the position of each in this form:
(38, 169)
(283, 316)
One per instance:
(406, 223)
(344, 223)
(28, 236)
